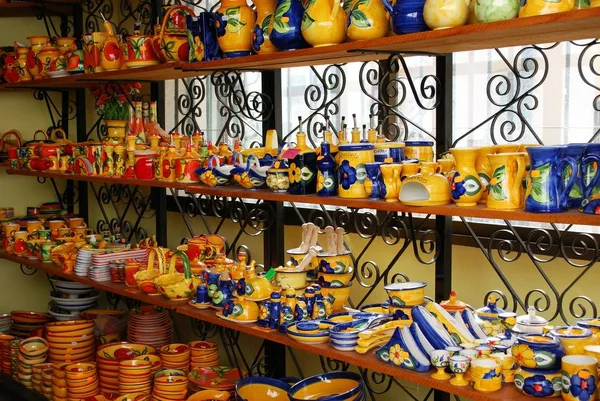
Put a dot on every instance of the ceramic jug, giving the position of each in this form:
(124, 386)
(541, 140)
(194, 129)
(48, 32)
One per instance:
(576, 195)
(47, 59)
(441, 14)
(110, 50)
(140, 52)
(37, 43)
(506, 190)
(590, 171)
(540, 7)
(496, 10)
(91, 52)
(546, 191)
(323, 23)
(390, 172)
(75, 63)
(265, 10)
(326, 178)
(22, 52)
(374, 182)
(465, 188)
(286, 33)
(484, 169)
(11, 68)
(235, 25)
(427, 188)
(367, 19)
(407, 16)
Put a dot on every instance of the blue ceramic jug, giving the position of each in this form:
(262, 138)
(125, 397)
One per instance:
(546, 191)
(287, 21)
(407, 16)
(576, 195)
(374, 182)
(590, 173)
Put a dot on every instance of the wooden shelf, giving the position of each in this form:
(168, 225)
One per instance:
(116, 288)
(32, 8)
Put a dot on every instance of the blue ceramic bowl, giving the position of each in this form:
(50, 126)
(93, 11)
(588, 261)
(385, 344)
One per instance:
(332, 386)
(250, 388)
(547, 351)
(348, 330)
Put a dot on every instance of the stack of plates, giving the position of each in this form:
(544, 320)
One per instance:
(150, 325)
(71, 341)
(71, 288)
(28, 324)
(79, 303)
(100, 267)
(83, 262)
(110, 356)
(4, 323)
(61, 315)
(50, 208)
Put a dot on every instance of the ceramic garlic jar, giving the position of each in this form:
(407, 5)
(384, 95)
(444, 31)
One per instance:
(287, 20)
(466, 189)
(235, 25)
(441, 14)
(427, 188)
(265, 10)
(324, 23)
(496, 10)
(367, 19)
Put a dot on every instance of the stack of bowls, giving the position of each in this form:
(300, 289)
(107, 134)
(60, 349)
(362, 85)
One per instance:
(4, 353)
(135, 376)
(27, 324)
(204, 354)
(36, 376)
(170, 388)
(71, 341)
(338, 386)
(176, 356)
(82, 380)
(59, 382)
(32, 351)
(5, 323)
(153, 359)
(110, 356)
(344, 336)
(403, 296)
(47, 374)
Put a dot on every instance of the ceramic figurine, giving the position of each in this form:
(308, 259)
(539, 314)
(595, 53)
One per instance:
(402, 351)
(466, 189)
(541, 7)
(287, 20)
(546, 191)
(407, 17)
(367, 19)
(490, 11)
(303, 168)
(265, 10)
(374, 183)
(427, 188)
(326, 177)
(505, 186)
(235, 25)
(323, 23)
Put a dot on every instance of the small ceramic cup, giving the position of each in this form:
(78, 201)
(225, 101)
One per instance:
(454, 350)
(486, 374)
(440, 359)
(459, 365)
(579, 377)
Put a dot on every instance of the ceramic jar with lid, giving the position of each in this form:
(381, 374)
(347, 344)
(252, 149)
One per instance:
(538, 352)
(487, 317)
(420, 150)
(453, 305)
(531, 323)
(574, 339)
(352, 172)
(278, 176)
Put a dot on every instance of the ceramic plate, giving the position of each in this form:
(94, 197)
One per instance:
(220, 315)
(199, 306)
(216, 377)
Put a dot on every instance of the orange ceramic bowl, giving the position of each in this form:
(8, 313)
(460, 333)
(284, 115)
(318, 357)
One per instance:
(171, 383)
(69, 326)
(122, 352)
(74, 345)
(134, 367)
(153, 359)
(33, 347)
(134, 397)
(59, 392)
(201, 347)
(169, 396)
(135, 380)
(72, 335)
(80, 370)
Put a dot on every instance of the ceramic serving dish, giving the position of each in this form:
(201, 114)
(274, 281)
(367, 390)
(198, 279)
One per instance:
(310, 332)
(338, 386)
(406, 294)
(261, 388)
(432, 330)
(538, 352)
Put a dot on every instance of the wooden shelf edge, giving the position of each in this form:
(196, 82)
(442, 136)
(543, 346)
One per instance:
(109, 286)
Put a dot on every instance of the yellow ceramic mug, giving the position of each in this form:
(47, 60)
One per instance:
(486, 374)
(579, 377)
(82, 230)
(34, 225)
(505, 186)
(391, 179)
(409, 169)
(63, 232)
(75, 222)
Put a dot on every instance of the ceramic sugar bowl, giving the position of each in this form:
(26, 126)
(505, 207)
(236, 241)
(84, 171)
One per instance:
(487, 317)
(574, 339)
(531, 323)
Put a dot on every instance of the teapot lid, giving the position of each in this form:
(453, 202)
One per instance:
(531, 318)
(452, 304)
(490, 311)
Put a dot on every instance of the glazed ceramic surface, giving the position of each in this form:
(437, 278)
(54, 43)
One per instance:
(352, 172)
(466, 188)
(390, 174)
(303, 168)
(235, 23)
(574, 339)
(406, 294)
(497, 10)
(539, 383)
(367, 19)
(323, 23)
(483, 167)
(579, 377)
(538, 352)
(427, 188)
(333, 385)
(407, 17)
(420, 150)
(505, 185)
(540, 7)
(326, 175)
(265, 10)
(579, 191)
(261, 388)
(287, 20)
(433, 331)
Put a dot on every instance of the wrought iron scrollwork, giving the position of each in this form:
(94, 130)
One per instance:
(203, 330)
(27, 270)
(55, 113)
(329, 364)
(191, 93)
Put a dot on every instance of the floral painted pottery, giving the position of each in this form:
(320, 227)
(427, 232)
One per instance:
(402, 350)
(240, 309)
(539, 383)
(574, 338)
(427, 188)
(222, 294)
(483, 167)
(490, 11)
(486, 374)
(289, 278)
(407, 17)
(214, 174)
(374, 181)
(323, 24)
(541, 7)
(458, 332)
(531, 323)
(11, 68)
(352, 172)
(406, 294)
(390, 173)
(579, 377)
(592, 324)
(334, 279)
(172, 35)
(546, 191)
(253, 176)
(303, 168)
(21, 62)
(37, 43)
(419, 150)
(431, 329)
(91, 51)
(338, 296)
(75, 64)
(235, 24)
(265, 9)
(202, 39)
(336, 264)
(367, 19)
(440, 359)
(47, 59)
(589, 168)
(176, 286)
(326, 175)
(223, 378)
(278, 176)
(505, 185)
(538, 352)
(287, 20)
(329, 386)
(465, 188)
(579, 191)
(487, 317)
(140, 52)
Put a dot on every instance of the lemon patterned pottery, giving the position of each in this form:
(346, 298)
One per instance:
(335, 264)
(420, 150)
(235, 25)
(265, 10)
(241, 309)
(390, 172)
(459, 333)
(505, 185)
(338, 296)
(592, 324)
(278, 176)
(367, 19)
(334, 386)
(334, 279)
(261, 388)
(287, 20)
(539, 383)
(352, 172)
(486, 374)
(427, 188)
(541, 7)
(466, 186)
(176, 286)
(483, 167)
(574, 339)
(442, 14)
(406, 294)
(324, 23)
(579, 377)
(538, 352)
(402, 350)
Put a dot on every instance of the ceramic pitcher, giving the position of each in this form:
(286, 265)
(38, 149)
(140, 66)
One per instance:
(22, 52)
(576, 195)
(390, 172)
(441, 14)
(465, 188)
(505, 189)
(235, 23)
(367, 19)
(265, 9)
(323, 23)
(484, 169)
(37, 43)
(286, 33)
(590, 172)
(546, 191)
(407, 16)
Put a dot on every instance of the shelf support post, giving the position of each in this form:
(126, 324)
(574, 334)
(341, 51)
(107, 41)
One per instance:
(443, 224)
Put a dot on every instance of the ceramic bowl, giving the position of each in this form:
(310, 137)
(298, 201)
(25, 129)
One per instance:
(339, 294)
(144, 279)
(383, 308)
(335, 279)
(574, 339)
(334, 386)
(73, 345)
(285, 278)
(33, 347)
(410, 293)
(134, 397)
(135, 367)
(538, 352)
(70, 326)
(311, 332)
(30, 317)
(113, 354)
(169, 372)
(261, 388)
(174, 353)
(71, 335)
(334, 263)
(592, 324)
(171, 383)
(203, 347)
(539, 383)
(80, 370)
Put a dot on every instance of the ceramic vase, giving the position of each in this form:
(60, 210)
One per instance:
(22, 53)
(324, 23)
(484, 169)
(115, 129)
(496, 10)
(235, 24)
(367, 19)
(326, 179)
(37, 43)
(265, 10)
(407, 17)
(441, 14)
(47, 59)
(287, 20)
(465, 188)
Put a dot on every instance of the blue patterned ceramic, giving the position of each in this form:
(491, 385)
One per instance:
(331, 386)
(264, 314)
(252, 176)
(211, 280)
(202, 37)
(539, 383)
(326, 178)
(421, 340)
(222, 294)
(407, 17)
(538, 352)
(590, 170)
(576, 195)
(546, 191)
(433, 331)
(287, 20)
(202, 294)
(470, 322)
(374, 181)
(258, 386)
(403, 351)
(306, 164)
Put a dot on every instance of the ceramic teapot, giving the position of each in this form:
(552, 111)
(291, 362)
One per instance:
(324, 23)
(428, 187)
